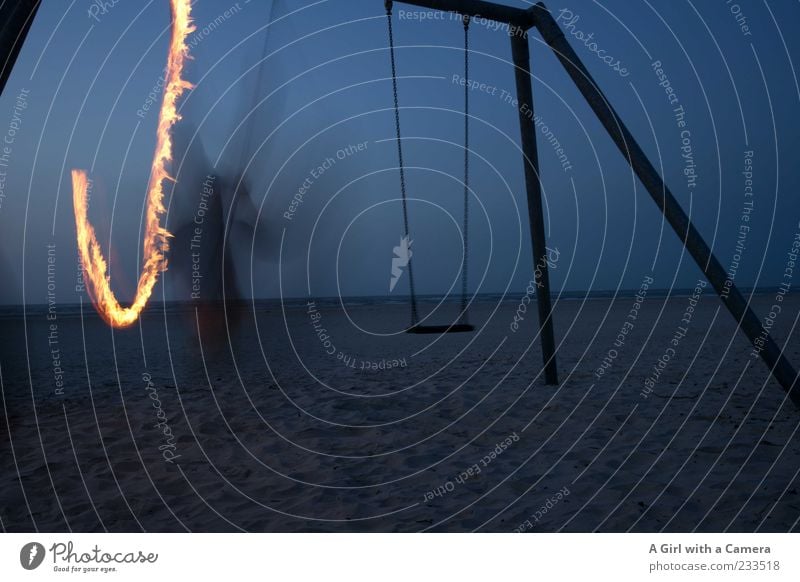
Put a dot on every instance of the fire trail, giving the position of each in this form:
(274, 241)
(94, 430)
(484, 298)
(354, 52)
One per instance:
(156, 237)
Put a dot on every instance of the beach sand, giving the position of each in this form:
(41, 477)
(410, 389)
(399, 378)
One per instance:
(260, 428)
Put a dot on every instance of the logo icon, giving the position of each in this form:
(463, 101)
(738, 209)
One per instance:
(31, 555)
(402, 255)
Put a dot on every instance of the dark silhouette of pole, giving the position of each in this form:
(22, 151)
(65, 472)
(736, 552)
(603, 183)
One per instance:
(15, 18)
(666, 202)
(522, 68)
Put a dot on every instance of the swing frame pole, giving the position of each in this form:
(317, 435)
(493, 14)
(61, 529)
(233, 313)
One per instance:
(539, 17)
(522, 69)
(16, 19)
(691, 238)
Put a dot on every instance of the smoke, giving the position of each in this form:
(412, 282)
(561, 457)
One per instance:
(266, 128)
(213, 211)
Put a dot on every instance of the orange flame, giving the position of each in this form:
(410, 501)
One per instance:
(156, 237)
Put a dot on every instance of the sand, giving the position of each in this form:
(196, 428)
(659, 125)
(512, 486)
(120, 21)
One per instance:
(259, 428)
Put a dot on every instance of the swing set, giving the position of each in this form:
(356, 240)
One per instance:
(519, 22)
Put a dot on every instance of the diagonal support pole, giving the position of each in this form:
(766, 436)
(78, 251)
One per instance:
(749, 323)
(522, 66)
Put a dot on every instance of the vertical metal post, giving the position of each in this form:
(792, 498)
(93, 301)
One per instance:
(524, 80)
(666, 202)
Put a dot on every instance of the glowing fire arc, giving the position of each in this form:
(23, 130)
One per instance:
(156, 237)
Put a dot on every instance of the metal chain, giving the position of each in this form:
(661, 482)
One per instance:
(464, 312)
(414, 314)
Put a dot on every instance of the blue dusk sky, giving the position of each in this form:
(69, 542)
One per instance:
(296, 96)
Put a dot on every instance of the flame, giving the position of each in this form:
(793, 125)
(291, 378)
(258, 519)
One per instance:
(156, 237)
